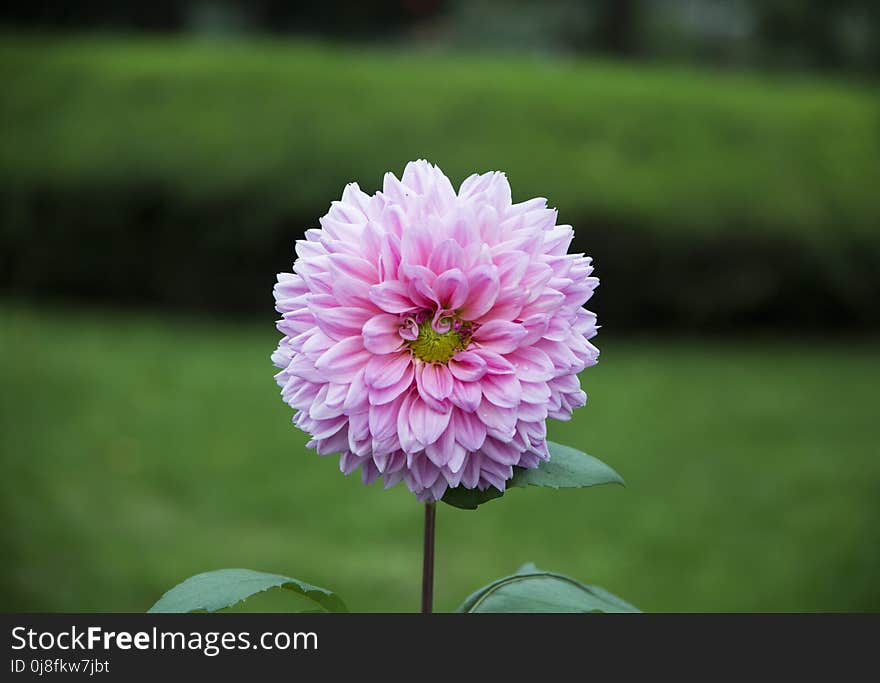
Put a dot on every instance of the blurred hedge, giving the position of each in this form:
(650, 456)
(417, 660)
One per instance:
(179, 172)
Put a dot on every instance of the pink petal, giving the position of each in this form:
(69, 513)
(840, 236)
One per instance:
(532, 411)
(383, 420)
(512, 266)
(559, 354)
(438, 488)
(466, 395)
(337, 228)
(324, 429)
(500, 336)
(420, 287)
(336, 394)
(429, 181)
(289, 288)
(371, 244)
(465, 231)
(314, 273)
(508, 305)
(385, 370)
(351, 292)
(381, 333)
(535, 392)
(303, 366)
(502, 390)
(297, 321)
(335, 444)
(446, 256)
(474, 184)
(441, 450)
(320, 410)
(556, 241)
(423, 471)
(548, 301)
(558, 329)
(340, 322)
(408, 441)
(392, 391)
(490, 226)
(359, 425)
(346, 211)
(316, 342)
(496, 364)
(416, 245)
(391, 296)
(395, 190)
(451, 289)
(470, 431)
(434, 381)
(389, 254)
(500, 422)
(456, 460)
(356, 398)
(343, 360)
(369, 472)
(535, 327)
(381, 461)
(354, 267)
(483, 288)
(537, 276)
(502, 453)
(531, 364)
(427, 424)
(494, 474)
(467, 366)
(348, 462)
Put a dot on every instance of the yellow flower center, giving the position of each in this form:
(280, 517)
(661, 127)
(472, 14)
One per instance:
(432, 346)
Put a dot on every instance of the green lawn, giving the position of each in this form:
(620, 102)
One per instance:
(138, 450)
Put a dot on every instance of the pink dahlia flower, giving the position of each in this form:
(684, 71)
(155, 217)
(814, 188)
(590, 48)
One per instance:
(429, 334)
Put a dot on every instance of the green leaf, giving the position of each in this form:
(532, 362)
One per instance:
(566, 468)
(533, 590)
(470, 499)
(215, 590)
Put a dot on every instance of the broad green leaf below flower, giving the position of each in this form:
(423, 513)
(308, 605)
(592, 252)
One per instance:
(470, 499)
(212, 591)
(533, 590)
(567, 468)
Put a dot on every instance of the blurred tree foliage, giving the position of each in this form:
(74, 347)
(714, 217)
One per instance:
(829, 34)
(841, 35)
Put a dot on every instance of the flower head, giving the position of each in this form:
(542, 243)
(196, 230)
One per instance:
(429, 334)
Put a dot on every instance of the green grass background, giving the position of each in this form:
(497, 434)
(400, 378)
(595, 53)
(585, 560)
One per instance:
(138, 450)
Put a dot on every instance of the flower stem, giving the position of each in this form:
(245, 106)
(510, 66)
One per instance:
(428, 559)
